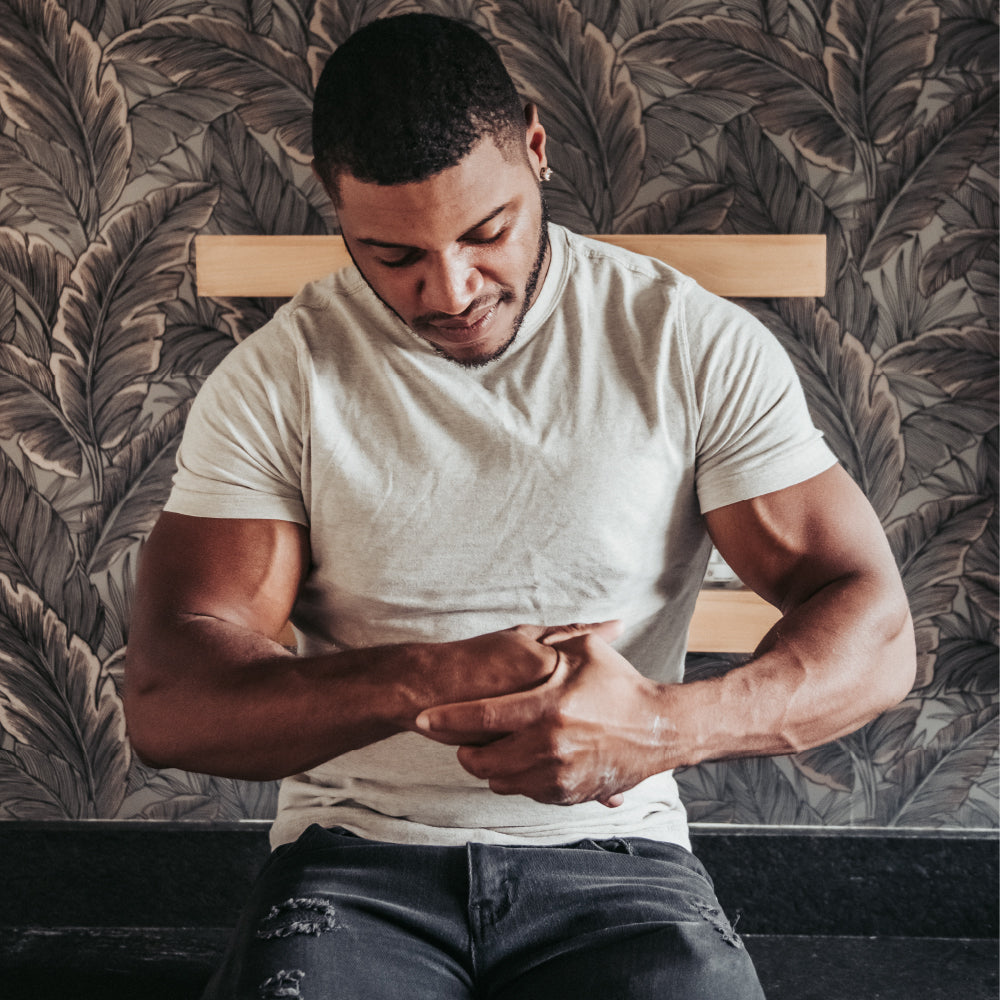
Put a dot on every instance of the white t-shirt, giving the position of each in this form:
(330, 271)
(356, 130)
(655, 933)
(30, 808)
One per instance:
(562, 482)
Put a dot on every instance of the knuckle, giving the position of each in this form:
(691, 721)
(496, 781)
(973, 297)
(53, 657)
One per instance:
(502, 786)
(558, 720)
(561, 790)
(475, 767)
(557, 751)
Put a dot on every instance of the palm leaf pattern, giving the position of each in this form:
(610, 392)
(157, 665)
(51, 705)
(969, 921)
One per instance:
(568, 67)
(126, 127)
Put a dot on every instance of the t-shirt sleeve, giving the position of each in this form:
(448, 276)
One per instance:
(755, 433)
(242, 450)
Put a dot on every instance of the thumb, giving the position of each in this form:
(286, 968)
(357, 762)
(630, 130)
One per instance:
(608, 631)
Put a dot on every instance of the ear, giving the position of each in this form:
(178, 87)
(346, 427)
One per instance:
(534, 138)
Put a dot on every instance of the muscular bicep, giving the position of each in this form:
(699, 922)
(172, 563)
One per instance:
(788, 545)
(242, 571)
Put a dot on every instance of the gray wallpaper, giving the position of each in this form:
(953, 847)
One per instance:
(129, 125)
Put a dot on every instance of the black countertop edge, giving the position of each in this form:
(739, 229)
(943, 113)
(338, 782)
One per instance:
(698, 830)
(788, 880)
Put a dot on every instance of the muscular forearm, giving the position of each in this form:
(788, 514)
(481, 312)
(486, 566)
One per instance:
(209, 695)
(842, 652)
(597, 728)
(829, 666)
(215, 698)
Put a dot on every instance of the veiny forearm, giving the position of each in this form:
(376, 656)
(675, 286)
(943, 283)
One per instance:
(596, 728)
(210, 696)
(829, 666)
(207, 694)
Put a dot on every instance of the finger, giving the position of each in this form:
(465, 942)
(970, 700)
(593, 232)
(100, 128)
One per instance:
(464, 738)
(608, 631)
(504, 714)
(485, 716)
(498, 760)
(613, 801)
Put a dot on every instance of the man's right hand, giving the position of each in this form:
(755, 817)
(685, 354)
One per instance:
(486, 666)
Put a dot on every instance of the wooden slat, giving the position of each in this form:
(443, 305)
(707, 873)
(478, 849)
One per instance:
(753, 267)
(275, 266)
(729, 621)
(733, 266)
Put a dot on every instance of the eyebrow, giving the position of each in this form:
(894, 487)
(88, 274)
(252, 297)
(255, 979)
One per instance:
(384, 245)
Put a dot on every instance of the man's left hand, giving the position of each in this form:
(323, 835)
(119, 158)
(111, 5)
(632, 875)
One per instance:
(594, 729)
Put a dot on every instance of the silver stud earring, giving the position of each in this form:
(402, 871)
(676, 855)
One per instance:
(546, 174)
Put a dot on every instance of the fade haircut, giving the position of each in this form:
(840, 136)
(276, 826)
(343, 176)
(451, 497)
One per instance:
(406, 97)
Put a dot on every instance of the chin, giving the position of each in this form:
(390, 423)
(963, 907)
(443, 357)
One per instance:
(477, 358)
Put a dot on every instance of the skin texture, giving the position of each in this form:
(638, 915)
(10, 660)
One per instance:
(554, 714)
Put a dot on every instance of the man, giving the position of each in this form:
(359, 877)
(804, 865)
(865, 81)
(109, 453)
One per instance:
(434, 462)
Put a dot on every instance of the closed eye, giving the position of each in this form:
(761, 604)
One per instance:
(411, 256)
(404, 261)
(485, 240)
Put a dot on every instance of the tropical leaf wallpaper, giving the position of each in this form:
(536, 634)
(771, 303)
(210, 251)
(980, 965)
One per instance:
(127, 126)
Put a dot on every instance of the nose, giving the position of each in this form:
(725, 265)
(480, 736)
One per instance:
(450, 283)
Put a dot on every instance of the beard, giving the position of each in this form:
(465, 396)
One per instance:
(506, 295)
(527, 298)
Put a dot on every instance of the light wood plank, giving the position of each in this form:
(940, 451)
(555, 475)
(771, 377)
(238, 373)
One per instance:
(729, 621)
(275, 266)
(753, 267)
(733, 266)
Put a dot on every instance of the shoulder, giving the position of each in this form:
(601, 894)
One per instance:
(328, 318)
(630, 294)
(641, 296)
(598, 257)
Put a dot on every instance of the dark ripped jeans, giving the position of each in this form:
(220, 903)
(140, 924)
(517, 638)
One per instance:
(336, 917)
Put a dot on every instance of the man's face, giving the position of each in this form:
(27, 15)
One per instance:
(458, 257)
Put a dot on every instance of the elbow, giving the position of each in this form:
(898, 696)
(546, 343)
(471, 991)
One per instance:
(165, 733)
(893, 665)
(141, 712)
(148, 731)
(153, 722)
(878, 676)
(150, 757)
(901, 659)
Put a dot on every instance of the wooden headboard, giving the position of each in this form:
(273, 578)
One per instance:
(725, 621)
(751, 267)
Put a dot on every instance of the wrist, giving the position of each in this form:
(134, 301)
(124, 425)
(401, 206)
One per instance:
(388, 681)
(728, 716)
(687, 725)
(403, 682)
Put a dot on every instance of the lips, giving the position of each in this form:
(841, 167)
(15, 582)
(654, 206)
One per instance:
(463, 331)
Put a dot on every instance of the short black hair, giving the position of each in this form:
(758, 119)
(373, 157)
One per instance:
(406, 97)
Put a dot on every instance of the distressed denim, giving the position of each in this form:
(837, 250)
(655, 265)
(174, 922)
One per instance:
(337, 917)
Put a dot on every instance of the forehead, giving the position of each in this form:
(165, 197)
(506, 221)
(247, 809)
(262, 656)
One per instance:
(440, 208)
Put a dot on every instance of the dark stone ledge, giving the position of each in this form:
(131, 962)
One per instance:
(773, 881)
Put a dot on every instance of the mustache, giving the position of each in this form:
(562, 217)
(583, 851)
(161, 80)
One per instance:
(484, 302)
